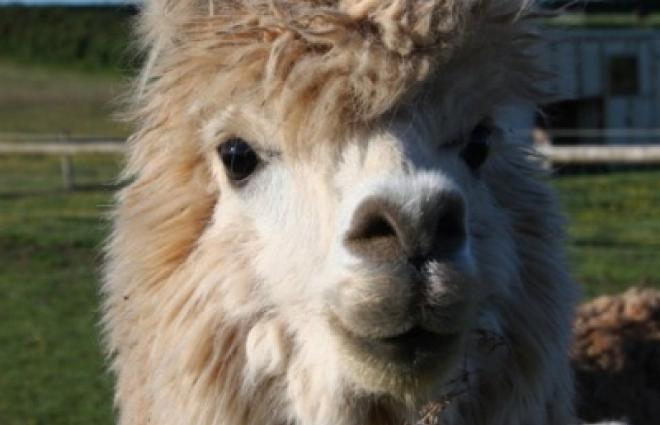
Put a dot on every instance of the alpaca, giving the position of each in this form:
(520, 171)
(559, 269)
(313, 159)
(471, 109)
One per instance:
(324, 224)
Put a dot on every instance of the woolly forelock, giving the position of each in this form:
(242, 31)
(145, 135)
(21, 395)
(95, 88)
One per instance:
(323, 66)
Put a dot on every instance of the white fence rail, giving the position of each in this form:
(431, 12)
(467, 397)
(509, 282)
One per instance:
(599, 154)
(63, 147)
(556, 155)
(582, 154)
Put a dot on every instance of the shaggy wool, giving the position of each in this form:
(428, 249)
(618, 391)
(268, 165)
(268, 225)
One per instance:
(214, 311)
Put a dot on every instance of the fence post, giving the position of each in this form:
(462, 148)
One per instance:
(66, 166)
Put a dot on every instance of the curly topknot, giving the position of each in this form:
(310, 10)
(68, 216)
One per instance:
(324, 64)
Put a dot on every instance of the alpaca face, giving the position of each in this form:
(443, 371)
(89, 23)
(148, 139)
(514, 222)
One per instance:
(366, 250)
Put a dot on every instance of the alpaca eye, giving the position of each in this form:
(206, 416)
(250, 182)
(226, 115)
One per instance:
(239, 158)
(476, 151)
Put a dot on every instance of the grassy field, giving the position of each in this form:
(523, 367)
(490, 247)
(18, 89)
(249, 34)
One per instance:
(37, 99)
(614, 229)
(53, 371)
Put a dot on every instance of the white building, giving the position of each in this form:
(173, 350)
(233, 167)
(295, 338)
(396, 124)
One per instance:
(609, 83)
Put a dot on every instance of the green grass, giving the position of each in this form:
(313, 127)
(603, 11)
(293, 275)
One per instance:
(39, 99)
(53, 371)
(614, 229)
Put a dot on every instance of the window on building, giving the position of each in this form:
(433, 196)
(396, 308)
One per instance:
(623, 76)
(571, 122)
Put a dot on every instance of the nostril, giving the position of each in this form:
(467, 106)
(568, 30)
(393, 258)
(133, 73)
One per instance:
(374, 233)
(375, 227)
(451, 223)
(450, 228)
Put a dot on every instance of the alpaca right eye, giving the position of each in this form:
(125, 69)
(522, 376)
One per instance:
(476, 151)
(239, 159)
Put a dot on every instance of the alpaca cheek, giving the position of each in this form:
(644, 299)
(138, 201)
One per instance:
(294, 220)
(495, 254)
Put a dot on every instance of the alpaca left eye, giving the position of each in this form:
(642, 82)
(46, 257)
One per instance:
(239, 158)
(476, 151)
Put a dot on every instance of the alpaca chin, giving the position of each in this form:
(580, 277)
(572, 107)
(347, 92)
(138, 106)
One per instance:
(408, 367)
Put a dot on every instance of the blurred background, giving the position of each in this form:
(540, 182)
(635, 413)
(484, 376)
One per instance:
(63, 68)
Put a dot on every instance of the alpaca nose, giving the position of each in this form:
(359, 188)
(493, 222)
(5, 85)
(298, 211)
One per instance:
(382, 230)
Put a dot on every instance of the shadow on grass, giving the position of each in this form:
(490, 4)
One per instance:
(614, 244)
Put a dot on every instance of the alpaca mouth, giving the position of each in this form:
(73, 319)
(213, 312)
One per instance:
(411, 347)
(416, 348)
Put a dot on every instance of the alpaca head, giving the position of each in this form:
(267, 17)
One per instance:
(325, 215)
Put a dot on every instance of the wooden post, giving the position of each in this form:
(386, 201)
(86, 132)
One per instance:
(67, 172)
(66, 166)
